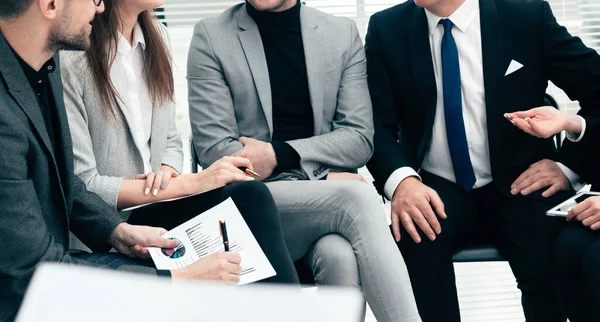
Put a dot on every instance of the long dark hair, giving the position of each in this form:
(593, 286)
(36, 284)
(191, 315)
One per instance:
(158, 71)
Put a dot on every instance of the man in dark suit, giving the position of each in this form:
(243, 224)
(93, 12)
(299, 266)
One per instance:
(442, 74)
(40, 198)
(576, 252)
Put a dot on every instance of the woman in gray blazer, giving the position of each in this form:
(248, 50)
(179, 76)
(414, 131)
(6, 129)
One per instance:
(119, 101)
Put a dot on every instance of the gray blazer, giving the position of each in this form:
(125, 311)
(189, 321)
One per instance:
(104, 148)
(40, 198)
(230, 92)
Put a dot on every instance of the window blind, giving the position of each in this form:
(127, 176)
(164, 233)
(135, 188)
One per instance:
(581, 17)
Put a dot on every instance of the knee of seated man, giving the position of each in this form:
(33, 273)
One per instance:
(357, 195)
(333, 261)
(591, 259)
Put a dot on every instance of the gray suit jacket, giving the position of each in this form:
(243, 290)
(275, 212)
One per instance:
(40, 198)
(230, 92)
(103, 146)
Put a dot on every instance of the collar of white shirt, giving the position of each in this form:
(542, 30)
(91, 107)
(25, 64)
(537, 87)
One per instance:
(138, 39)
(462, 18)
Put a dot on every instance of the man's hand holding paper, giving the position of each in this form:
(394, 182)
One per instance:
(198, 249)
(132, 240)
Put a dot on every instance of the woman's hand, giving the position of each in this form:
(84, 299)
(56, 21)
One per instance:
(222, 267)
(223, 172)
(159, 180)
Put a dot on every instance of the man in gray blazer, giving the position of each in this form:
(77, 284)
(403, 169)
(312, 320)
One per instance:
(286, 85)
(40, 198)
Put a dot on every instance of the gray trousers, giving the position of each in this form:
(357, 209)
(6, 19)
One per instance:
(343, 226)
(116, 261)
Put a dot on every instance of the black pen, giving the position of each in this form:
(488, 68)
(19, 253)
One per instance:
(224, 234)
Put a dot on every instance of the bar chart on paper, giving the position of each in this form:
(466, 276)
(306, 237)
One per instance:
(205, 245)
(201, 237)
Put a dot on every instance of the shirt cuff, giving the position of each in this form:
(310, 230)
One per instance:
(571, 175)
(396, 178)
(287, 157)
(573, 137)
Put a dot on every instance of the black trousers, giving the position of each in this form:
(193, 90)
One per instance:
(517, 226)
(256, 205)
(575, 271)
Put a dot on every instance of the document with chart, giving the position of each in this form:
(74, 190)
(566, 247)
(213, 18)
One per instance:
(201, 236)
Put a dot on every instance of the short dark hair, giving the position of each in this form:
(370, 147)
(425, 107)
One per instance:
(14, 8)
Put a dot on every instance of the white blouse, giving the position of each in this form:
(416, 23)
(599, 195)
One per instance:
(128, 78)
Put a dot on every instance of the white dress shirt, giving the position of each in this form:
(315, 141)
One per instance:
(128, 78)
(467, 35)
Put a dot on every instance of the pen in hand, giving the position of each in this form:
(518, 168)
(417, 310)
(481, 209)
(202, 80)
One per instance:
(250, 172)
(223, 228)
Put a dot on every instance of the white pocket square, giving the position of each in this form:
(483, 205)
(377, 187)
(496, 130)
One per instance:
(513, 67)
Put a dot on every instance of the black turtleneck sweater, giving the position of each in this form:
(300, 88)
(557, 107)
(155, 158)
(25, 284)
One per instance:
(292, 111)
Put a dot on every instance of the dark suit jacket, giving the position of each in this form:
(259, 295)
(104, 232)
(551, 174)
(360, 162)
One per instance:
(582, 157)
(40, 198)
(403, 88)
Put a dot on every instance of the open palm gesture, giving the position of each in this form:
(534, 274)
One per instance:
(543, 122)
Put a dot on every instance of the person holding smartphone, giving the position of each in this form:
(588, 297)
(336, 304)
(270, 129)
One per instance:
(575, 266)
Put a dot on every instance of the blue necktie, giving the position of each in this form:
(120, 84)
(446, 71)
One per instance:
(455, 124)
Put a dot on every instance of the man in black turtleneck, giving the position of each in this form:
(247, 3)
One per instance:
(285, 85)
(292, 111)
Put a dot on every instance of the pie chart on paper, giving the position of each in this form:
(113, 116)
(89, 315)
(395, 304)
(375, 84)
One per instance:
(177, 252)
